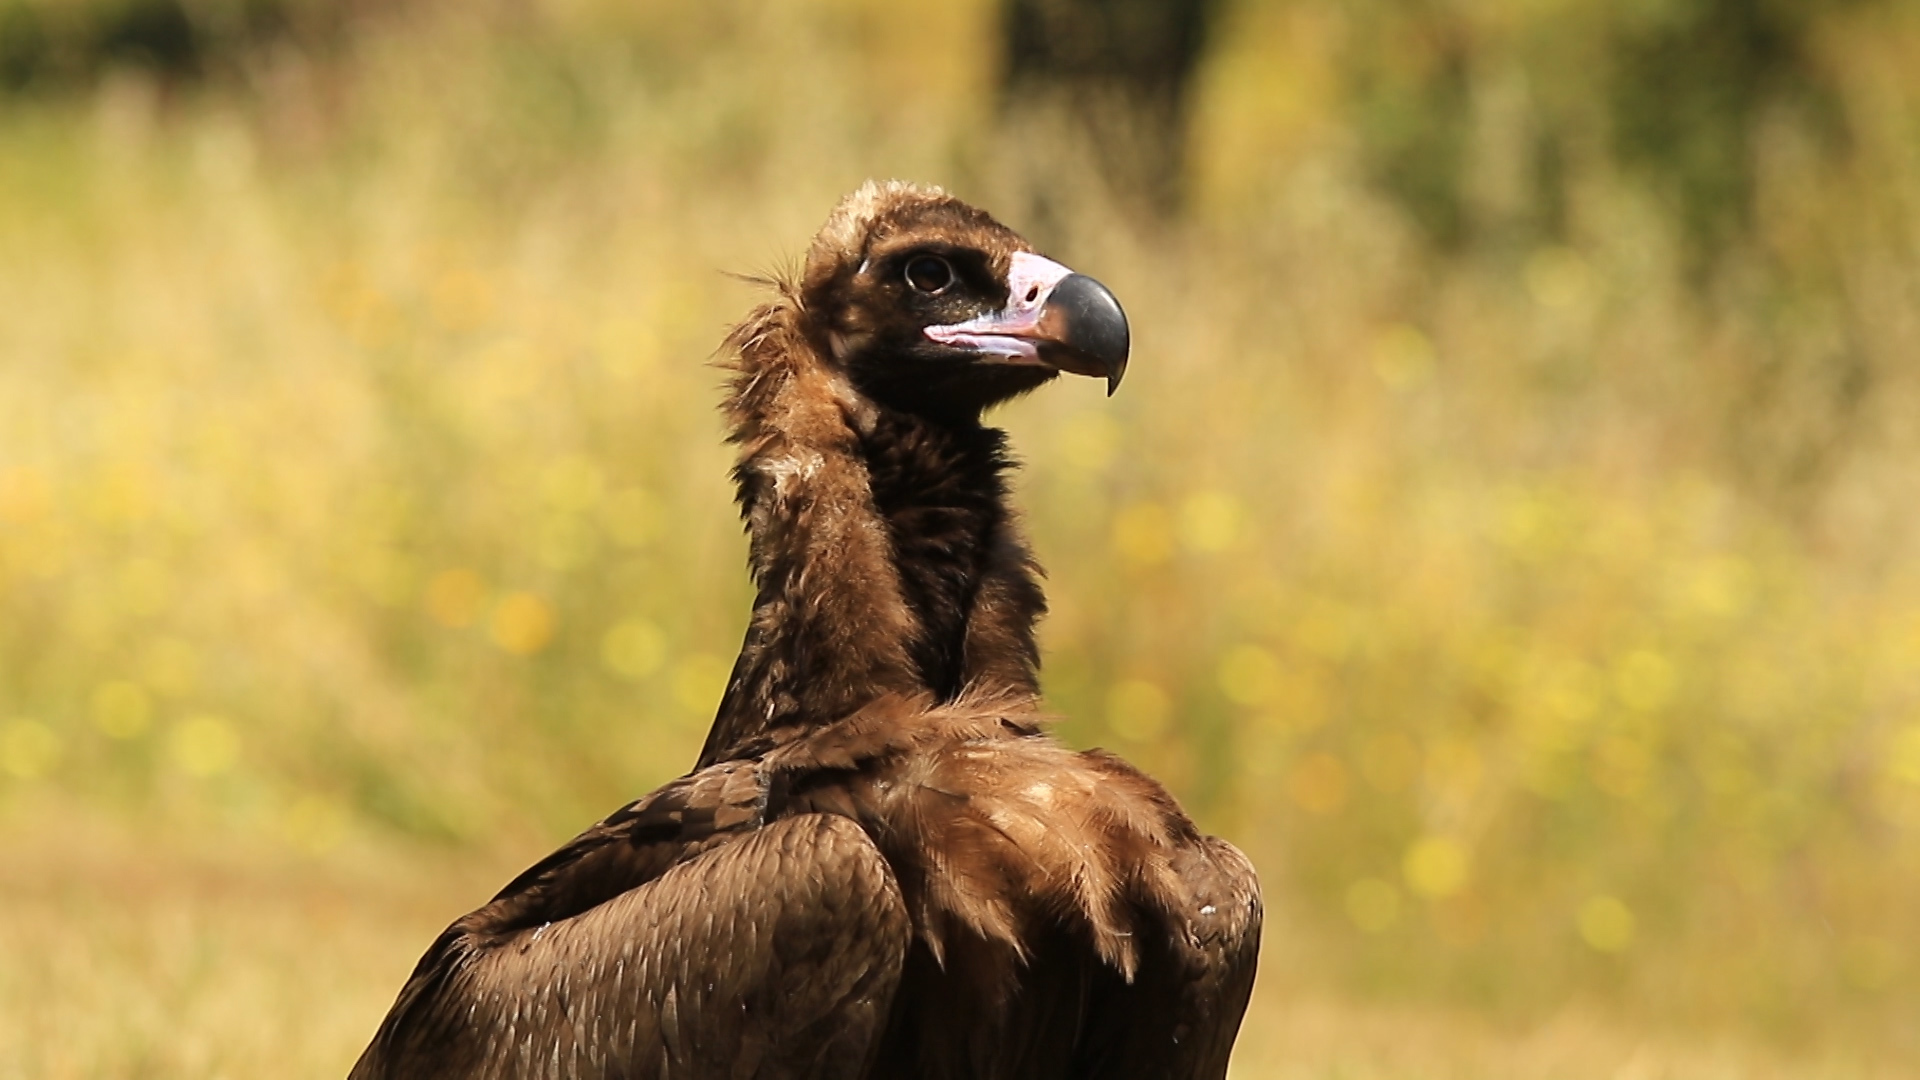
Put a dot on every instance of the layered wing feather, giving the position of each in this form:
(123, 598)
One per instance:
(770, 951)
(1033, 907)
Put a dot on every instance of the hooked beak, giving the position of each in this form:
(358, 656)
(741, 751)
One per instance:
(1054, 318)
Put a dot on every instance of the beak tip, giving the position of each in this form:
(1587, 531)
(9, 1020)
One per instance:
(1094, 326)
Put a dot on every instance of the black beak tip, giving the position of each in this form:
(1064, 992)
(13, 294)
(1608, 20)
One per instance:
(1096, 326)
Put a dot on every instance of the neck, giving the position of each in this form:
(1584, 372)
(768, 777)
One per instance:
(885, 557)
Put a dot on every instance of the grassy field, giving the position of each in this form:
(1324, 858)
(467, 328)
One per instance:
(196, 960)
(1538, 610)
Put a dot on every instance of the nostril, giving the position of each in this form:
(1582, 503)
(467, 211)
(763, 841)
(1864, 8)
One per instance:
(1033, 294)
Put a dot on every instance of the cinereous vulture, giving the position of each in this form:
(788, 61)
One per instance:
(882, 865)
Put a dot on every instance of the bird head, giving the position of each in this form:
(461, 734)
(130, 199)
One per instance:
(931, 306)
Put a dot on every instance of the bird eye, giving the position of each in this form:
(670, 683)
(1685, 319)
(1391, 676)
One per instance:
(929, 274)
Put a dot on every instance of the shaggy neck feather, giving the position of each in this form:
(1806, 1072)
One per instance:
(884, 554)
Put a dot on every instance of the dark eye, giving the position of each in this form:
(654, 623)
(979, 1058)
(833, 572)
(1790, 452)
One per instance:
(929, 273)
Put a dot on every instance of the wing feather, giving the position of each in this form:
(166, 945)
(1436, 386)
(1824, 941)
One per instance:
(788, 939)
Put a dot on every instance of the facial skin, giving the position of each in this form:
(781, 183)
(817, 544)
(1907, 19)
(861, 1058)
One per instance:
(941, 311)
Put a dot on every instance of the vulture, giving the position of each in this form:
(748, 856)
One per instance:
(881, 864)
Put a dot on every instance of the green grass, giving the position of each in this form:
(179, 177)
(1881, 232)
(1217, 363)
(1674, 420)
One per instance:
(1524, 611)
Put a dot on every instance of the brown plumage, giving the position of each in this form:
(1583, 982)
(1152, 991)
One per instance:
(881, 865)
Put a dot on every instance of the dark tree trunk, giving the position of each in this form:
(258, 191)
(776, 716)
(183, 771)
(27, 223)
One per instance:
(1119, 71)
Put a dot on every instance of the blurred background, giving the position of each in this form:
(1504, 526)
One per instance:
(1506, 533)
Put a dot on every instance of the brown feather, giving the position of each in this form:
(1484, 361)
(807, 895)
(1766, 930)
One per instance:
(882, 864)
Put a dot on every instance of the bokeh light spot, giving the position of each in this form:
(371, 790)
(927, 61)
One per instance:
(1436, 866)
(1210, 521)
(1402, 356)
(203, 746)
(1644, 680)
(171, 666)
(506, 371)
(634, 648)
(146, 586)
(455, 597)
(1721, 588)
(1903, 755)
(1606, 924)
(699, 680)
(1326, 628)
(522, 624)
(123, 496)
(1249, 675)
(573, 482)
(1454, 767)
(1143, 534)
(315, 824)
(1622, 766)
(385, 574)
(1373, 905)
(1525, 523)
(23, 494)
(1558, 278)
(462, 299)
(1572, 697)
(29, 749)
(564, 541)
(631, 516)
(121, 709)
(1088, 441)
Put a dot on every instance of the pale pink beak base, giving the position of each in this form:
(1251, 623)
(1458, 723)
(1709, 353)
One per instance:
(1008, 332)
